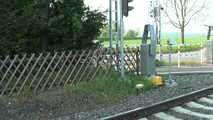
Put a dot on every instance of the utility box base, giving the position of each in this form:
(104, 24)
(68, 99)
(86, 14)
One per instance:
(147, 61)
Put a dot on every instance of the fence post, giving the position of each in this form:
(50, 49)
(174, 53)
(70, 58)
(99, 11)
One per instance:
(178, 55)
(201, 53)
(117, 58)
(137, 60)
(111, 58)
(160, 52)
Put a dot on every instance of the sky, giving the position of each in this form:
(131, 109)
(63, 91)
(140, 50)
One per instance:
(139, 16)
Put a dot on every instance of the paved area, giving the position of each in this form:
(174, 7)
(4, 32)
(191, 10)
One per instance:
(185, 56)
(186, 69)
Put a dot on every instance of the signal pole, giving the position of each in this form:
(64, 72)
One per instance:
(120, 35)
(110, 23)
(123, 10)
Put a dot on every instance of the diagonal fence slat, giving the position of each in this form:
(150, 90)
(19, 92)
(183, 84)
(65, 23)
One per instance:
(68, 68)
(13, 67)
(11, 78)
(98, 67)
(131, 59)
(60, 70)
(39, 72)
(8, 69)
(80, 68)
(74, 68)
(22, 73)
(40, 80)
(56, 64)
(3, 63)
(87, 66)
(94, 60)
(97, 64)
(30, 72)
(104, 63)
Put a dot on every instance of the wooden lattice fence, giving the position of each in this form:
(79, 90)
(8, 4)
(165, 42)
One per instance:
(39, 72)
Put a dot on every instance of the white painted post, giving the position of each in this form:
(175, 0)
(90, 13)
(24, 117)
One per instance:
(178, 55)
(201, 53)
(159, 51)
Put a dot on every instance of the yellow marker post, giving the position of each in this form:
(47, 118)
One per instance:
(157, 81)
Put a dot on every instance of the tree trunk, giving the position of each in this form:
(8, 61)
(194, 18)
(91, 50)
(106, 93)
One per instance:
(183, 35)
(44, 41)
(209, 33)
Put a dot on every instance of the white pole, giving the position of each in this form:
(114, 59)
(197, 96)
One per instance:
(178, 55)
(159, 46)
(201, 53)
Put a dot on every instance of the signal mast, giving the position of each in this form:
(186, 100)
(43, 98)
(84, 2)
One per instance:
(155, 16)
(151, 32)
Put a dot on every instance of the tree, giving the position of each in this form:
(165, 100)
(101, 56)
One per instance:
(105, 32)
(181, 12)
(47, 25)
(131, 34)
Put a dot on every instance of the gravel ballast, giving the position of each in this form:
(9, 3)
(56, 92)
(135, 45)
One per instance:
(186, 84)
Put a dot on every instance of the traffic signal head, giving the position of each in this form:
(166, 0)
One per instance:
(126, 8)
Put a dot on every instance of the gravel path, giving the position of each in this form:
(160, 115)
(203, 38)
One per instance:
(186, 84)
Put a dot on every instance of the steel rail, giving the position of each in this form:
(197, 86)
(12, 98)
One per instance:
(142, 112)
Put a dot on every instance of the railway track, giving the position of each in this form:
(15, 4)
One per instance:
(194, 110)
(197, 105)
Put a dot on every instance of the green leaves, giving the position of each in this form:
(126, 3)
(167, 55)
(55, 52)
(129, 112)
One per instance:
(32, 26)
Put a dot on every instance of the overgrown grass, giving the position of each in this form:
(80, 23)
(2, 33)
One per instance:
(111, 89)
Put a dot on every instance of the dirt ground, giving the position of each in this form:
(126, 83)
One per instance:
(47, 105)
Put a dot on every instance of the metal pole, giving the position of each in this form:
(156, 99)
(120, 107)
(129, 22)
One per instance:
(116, 22)
(170, 61)
(120, 35)
(110, 24)
(116, 37)
(122, 50)
(170, 82)
(160, 30)
(110, 31)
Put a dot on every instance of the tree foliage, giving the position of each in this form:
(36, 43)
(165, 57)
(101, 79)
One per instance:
(38, 25)
(131, 34)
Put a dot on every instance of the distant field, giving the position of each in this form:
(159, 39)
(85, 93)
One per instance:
(137, 42)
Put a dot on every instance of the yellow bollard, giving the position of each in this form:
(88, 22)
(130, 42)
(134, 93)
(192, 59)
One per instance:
(157, 81)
